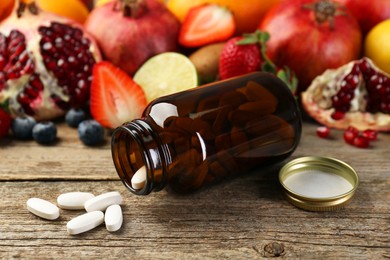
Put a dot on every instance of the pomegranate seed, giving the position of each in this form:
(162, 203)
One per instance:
(371, 135)
(365, 68)
(350, 134)
(337, 115)
(361, 142)
(353, 130)
(349, 137)
(323, 131)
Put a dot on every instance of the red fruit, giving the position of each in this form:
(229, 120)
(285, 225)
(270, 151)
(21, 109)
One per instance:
(5, 123)
(350, 134)
(368, 13)
(205, 24)
(349, 137)
(311, 36)
(130, 33)
(115, 97)
(323, 131)
(45, 63)
(358, 90)
(238, 59)
(371, 135)
(361, 142)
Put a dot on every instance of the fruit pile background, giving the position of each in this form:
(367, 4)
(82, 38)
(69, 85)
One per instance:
(100, 62)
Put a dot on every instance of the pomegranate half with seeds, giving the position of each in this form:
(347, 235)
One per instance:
(45, 63)
(356, 94)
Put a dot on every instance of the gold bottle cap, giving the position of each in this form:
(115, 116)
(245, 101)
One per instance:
(318, 183)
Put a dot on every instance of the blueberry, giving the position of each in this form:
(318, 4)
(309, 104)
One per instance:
(91, 132)
(74, 117)
(22, 127)
(44, 132)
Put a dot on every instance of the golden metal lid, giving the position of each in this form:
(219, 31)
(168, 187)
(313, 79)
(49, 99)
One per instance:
(318, 183)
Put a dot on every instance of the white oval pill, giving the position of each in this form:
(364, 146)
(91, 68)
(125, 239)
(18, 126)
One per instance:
(102, 201)
(73, 200)
(139, 178)
(113, 218)
(43, 208)
(85, 222)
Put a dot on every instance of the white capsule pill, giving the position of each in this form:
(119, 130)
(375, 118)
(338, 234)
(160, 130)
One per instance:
(85, 222)
(113, 218)
(139, 178)
(102, 201)
(43, 208)
(73, 200)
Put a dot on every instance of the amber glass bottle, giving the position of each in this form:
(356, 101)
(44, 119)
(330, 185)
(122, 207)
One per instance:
(203, 135)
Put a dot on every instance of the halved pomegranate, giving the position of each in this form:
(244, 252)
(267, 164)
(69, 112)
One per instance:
(45, 63)
(356, 94)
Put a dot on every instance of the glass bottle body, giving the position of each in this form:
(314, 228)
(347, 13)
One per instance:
(203, 135)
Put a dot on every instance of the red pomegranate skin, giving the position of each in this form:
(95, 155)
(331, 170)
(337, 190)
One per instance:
(129, 41)
(368, 13)
(306, 46)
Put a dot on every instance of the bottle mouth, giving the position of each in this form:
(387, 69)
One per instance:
(131, 160)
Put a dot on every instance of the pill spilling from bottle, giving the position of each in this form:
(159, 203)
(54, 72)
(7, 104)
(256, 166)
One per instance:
(104, 208)
(139, 178)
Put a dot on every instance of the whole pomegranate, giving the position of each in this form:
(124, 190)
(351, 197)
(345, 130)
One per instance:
(311, 36)
(368, 13)
(131, 31)
(45, 63)
(356, 94)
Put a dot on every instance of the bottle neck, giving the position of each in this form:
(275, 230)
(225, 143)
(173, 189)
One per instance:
(134, 145)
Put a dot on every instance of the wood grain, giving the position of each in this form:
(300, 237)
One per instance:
(244, 218)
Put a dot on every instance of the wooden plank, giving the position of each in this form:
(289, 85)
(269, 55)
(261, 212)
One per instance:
(234, 220)
(68, 158)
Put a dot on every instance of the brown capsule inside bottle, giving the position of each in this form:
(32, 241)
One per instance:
(200, 136)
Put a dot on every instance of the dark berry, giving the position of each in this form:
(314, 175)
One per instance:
(5, 123)
(22, 127)
(74, 117)
(323, 131)
(91, 132)
(44, 132)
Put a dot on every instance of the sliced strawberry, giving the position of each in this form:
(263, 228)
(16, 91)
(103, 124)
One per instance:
(207, 23)
(115, 97)
(5, 123)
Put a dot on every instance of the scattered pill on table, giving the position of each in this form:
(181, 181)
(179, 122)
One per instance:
(43, 208)
(139, 178)
(85, 222)
(113, 218)
(73, 200)
(95, 206)
(102, 201)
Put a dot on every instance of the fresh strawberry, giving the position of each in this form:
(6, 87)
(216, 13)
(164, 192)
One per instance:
(239, 59)
(207, 23)
(115, 97)
(5, 123)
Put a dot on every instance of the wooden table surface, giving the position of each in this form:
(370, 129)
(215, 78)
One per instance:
(245, 218)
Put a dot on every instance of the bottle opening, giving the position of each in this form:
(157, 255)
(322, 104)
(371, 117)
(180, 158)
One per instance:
(130, 161)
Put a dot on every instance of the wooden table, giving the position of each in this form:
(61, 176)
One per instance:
(245, 218)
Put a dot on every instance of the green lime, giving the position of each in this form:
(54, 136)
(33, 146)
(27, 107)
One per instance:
(165, 74)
